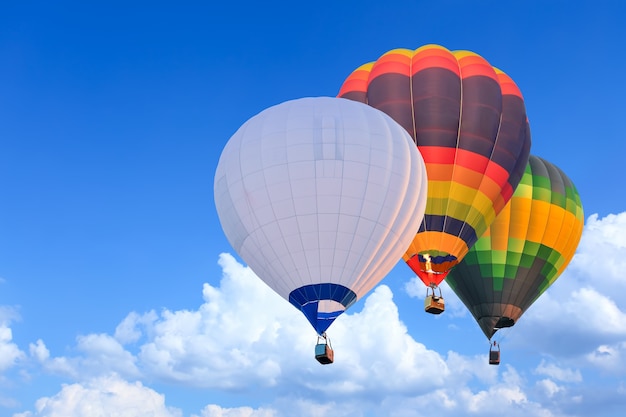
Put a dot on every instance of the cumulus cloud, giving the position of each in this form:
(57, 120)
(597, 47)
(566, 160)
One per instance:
(600, 259)
(560, 374)
(57, 365)
(609, 358)
(586, 307)
(378, 356)
(244, 335)
(99, 353)
(549, 387)
(214, 410)
(103, 396)
(127, 331)
(10, 353)
(244, 338)
(234, 339)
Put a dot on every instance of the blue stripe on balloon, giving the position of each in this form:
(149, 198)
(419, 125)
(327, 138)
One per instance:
(307, 299)
(451, 226)
(438, 259)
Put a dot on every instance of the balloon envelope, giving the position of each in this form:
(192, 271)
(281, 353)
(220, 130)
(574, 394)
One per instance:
(320, 197)
(469, 122)
(524, 251)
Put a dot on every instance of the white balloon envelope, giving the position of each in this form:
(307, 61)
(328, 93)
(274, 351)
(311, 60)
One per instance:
(320, 197)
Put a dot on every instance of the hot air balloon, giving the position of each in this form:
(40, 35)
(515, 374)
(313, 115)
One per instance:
(320, 197)
(469, 122)
(524, 250)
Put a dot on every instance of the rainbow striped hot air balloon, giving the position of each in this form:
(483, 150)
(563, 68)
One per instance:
(469, 122)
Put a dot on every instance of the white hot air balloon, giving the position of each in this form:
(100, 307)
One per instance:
(320, 197)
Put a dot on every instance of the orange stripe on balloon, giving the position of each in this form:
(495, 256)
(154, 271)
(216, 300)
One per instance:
(353, 84)
(482, 183)
(436, 242)
(439, 172)
(474, 65)
(357, 81)
(432, 241)
(437, 158)
(395, 61)
(507, 85)
(434, 56)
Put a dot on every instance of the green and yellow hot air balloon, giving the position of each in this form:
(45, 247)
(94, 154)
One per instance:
(524, 251)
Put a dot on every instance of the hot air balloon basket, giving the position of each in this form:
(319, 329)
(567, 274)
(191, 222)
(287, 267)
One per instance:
(494, 357)
(434, 304)
(324, 353)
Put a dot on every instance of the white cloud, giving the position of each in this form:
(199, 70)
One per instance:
(505, 395)
(609, 358)
(214, 410)
(236, 338)
(465, 369)
(39, 351)
(601, 258)
(103, 396)
(245, 335)
(100, 354)
(126, 332)
(57, 365)
(560, 374)
(377, 356)
(586, 307)
(235, 341)
(582, 310)
(549, 387)
(245, 338)
(9, 351)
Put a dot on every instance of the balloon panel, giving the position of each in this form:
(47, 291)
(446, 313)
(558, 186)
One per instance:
(320, 197)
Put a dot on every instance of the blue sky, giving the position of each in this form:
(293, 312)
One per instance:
(119, 292)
